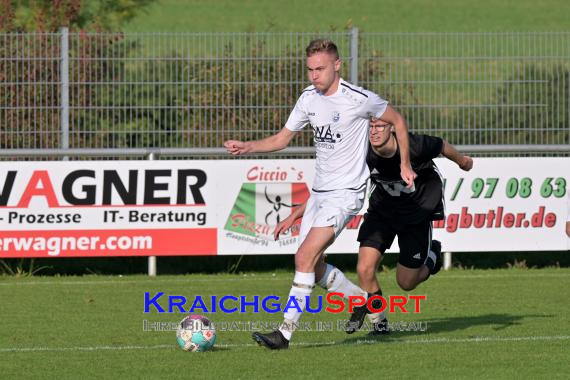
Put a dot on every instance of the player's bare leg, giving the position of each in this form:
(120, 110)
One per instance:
(310, 252)
(325, 275)
(409, 278)
(307, 258)
(369, 259)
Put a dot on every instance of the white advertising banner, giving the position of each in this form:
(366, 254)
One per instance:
(231, 207)
(502, 204)
(505, 204)
(258, 194)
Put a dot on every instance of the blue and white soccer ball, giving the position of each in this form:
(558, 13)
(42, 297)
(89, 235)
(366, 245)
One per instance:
(196, 334)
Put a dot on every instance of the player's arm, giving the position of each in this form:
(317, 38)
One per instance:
(272, 143)
(397, 120)
(285, 224)
(450, 152)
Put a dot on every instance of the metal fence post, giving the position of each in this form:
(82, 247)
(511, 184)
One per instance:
(354, 56)
(64, 96)
(152, 266)
(152, 259)
(446, 260)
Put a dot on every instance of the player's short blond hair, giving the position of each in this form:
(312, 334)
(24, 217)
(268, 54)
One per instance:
(320, 46)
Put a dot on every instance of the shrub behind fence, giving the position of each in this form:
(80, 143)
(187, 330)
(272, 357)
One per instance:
(114, 90)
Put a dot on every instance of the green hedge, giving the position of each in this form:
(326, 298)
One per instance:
(254, 263)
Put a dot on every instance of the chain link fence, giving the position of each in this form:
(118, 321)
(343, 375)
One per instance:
(487, 92)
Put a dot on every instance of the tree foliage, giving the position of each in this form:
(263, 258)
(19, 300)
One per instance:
(50, 15)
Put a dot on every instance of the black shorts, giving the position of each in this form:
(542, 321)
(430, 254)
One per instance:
(414, 239)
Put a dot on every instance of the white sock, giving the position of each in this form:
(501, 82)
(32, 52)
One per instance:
(376, 317)
(303, 284)
(324, 280)
(335, 281)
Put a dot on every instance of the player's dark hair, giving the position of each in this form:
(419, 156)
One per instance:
(322, 45)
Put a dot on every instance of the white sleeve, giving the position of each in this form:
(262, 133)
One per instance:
(374, 106)
(298, 117)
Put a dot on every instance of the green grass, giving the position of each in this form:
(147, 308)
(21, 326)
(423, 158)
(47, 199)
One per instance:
(368, 15)
(483, 323)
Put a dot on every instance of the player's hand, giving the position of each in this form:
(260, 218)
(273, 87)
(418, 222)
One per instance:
(283, 226)
(408, 175)
(236, 147)
(466, 164)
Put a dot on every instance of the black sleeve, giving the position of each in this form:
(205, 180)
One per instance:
(425, 147)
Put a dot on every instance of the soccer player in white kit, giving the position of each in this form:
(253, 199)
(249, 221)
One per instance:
(339, 114)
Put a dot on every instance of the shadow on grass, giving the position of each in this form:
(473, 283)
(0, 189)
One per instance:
(497, 322)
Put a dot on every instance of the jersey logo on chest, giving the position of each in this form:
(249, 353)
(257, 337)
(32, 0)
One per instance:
(324, 133)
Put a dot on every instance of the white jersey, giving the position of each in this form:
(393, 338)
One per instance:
(340, 124)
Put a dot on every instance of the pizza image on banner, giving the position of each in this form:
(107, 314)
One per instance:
(259, 207)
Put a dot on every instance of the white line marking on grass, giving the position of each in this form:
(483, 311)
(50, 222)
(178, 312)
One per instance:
(310, 344)
(146, 281)
(501, 275)
(94, 348)
(473, 340)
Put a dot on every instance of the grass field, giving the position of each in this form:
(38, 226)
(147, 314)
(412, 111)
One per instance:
(367, 15)
(481, 323)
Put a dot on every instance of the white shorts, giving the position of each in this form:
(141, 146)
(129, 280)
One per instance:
(331, 209)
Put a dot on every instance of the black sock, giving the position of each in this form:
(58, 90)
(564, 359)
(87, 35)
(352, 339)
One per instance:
(377, 304)
(430, 261)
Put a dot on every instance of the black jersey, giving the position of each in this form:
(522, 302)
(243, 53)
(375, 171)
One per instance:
(391, 198)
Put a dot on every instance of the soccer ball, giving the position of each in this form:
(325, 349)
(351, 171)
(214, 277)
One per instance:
(196, 334)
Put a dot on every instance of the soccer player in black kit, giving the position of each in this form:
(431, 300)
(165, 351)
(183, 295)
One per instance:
(397, 210)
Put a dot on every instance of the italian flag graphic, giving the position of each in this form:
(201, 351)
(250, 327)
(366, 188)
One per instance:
(260, 206)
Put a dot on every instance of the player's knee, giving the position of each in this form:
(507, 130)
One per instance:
(406, 283)
(306, 261)
(301, 262)
(365, 271)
